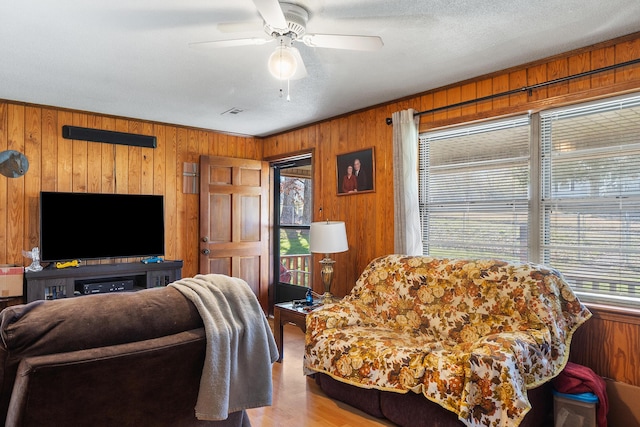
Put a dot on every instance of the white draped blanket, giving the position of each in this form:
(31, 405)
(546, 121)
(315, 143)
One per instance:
(240, 346)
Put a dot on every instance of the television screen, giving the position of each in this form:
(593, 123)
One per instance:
(89, 226)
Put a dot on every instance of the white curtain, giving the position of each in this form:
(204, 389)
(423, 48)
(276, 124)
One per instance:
(406, 215)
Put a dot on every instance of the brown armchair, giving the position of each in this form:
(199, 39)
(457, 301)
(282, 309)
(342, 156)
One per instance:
(125, 359)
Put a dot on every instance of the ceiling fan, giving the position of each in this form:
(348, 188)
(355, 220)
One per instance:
(286, 23)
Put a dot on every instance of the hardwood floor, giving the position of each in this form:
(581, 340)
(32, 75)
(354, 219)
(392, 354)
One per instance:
(298, 401)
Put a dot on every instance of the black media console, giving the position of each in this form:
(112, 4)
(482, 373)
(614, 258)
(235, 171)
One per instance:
(100, 278)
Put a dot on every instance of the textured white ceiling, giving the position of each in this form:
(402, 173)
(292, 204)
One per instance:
(132, 58)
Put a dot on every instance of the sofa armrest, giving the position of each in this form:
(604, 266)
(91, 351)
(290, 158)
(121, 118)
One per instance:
(151, 382)
(525, 353)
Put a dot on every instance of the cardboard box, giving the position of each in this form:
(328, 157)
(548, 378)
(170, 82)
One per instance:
(624, 409)
(11, 279)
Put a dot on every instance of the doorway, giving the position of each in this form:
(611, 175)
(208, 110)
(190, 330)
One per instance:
(292, 215)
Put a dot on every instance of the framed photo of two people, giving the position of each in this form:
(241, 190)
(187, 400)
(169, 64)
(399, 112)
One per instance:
(355, 172)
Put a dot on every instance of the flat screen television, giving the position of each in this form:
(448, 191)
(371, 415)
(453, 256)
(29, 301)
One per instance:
(87, 226)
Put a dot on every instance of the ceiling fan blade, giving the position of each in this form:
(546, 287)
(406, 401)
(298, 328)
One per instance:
(229, 43)
(301, 70)
(335, 41)
(272, 14)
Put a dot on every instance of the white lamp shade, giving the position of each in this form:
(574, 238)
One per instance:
(328, 237)
(282, 63)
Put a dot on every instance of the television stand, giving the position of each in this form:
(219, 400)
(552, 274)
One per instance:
(69, 282)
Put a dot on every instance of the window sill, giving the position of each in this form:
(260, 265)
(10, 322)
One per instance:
(613, 313)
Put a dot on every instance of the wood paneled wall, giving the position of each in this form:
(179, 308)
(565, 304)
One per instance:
(369, 216)
(58, 164)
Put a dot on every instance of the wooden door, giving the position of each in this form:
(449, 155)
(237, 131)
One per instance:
(234, 221)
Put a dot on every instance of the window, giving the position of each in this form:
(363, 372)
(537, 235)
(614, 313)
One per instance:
(474, 184)
(573, 204)
(591, 198)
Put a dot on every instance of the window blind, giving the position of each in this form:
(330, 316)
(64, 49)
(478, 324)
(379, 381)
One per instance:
(473, 189)
(591, 198)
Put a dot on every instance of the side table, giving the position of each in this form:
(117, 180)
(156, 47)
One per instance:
(284, 313)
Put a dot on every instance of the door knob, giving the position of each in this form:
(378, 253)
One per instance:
(205, 239)
(206, 251)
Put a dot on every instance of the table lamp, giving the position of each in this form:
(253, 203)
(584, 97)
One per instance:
(327, 237)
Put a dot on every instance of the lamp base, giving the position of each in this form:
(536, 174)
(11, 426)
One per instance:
(327, 298)
(326, 273)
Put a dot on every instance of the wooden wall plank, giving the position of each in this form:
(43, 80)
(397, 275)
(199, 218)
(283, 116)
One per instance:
(484, 88)
(121, 166)
(500, 84)
(439, 100)
(79, 165)
(241, 147)
(108, 159)
(49, 151)
(231, 146)
(203, 143)
(579, 63)
(468, 93)
(558, 69)
(65, 154)
(15, 187)
(192, 209)
(159, 163)
(454, 95)
(94, 158)
(134, 158)
(173, 230)
(250, 149)
(146, 166)
(4, 200)
(181, 156)
(384, 181)
(518, 80)
(537, 74)
(624, 52)
(32, 150)
(601, 58)
(215, 145)
(426, 104)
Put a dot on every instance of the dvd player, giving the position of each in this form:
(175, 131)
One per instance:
(105, 286)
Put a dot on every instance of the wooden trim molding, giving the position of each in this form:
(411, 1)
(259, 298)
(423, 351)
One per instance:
(615, 314)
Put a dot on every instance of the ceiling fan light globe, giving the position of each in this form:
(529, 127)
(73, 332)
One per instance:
(282, 63)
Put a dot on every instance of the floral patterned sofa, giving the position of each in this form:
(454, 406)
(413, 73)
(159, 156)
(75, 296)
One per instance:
(473, 336)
